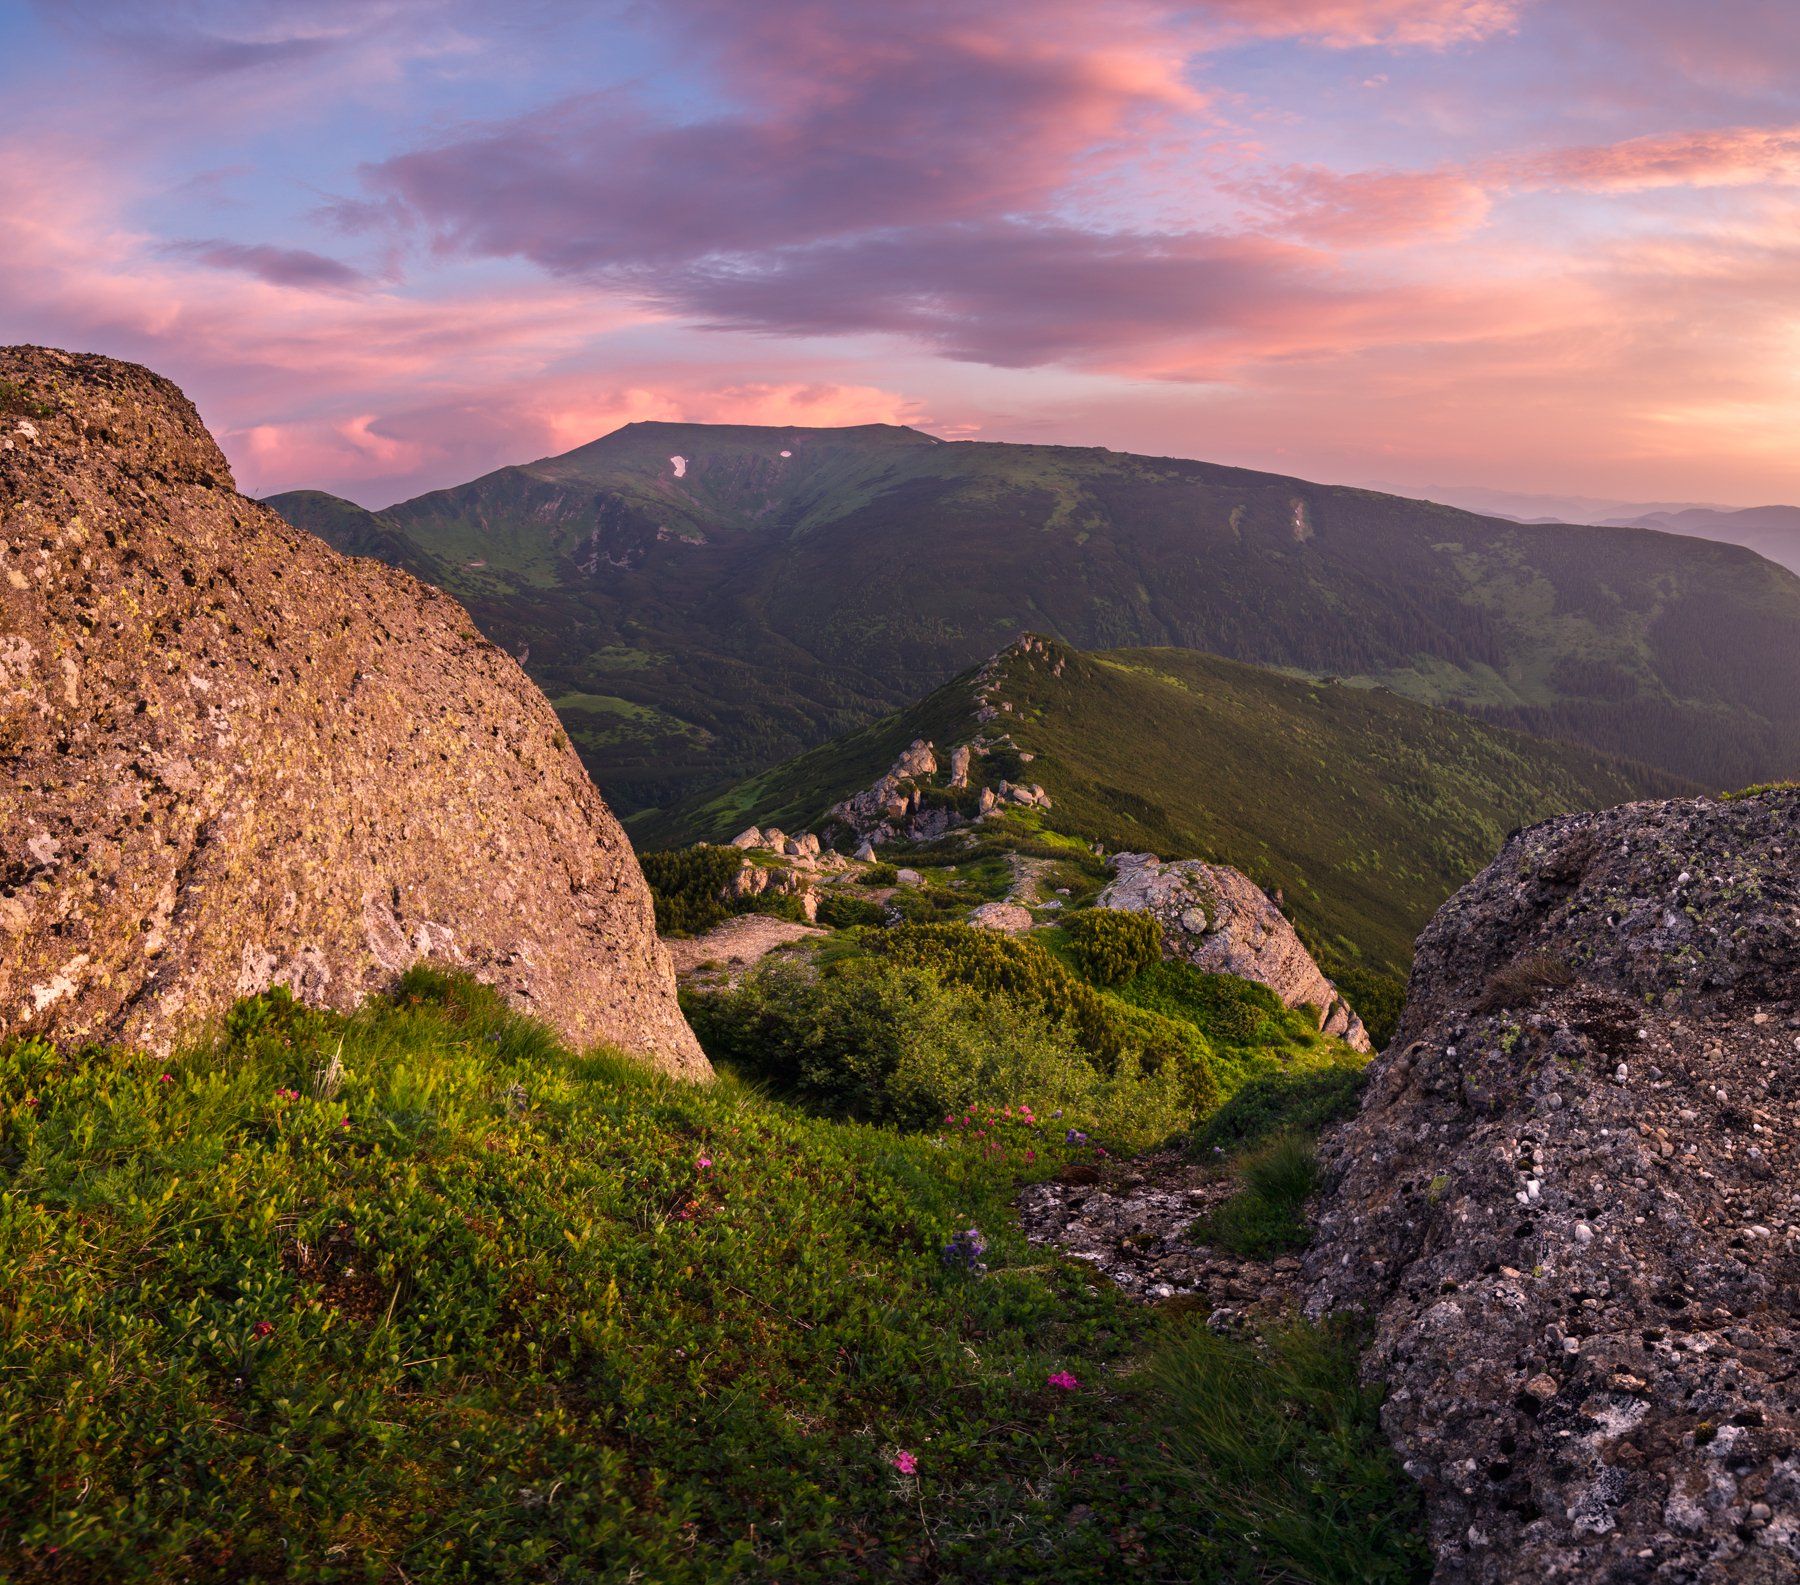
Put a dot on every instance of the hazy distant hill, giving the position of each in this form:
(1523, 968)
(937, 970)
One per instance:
(695, 620)
(1771, 531)
(1367, 810)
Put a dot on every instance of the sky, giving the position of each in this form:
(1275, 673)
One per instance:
(388, 245)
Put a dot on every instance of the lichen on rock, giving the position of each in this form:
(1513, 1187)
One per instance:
(234, 758)
(1570, 1203)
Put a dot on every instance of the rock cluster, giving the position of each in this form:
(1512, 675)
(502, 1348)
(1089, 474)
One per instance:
(231, 758)
(1570, 1204)
(1220, 920)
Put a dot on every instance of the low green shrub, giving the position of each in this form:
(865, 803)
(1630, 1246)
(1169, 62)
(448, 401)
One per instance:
(879, 874)
(1377, 998)
(1231, 1011)
(688, 886)
(1110, 946)
(1109, 1031)
(843, 912)
(1266, 1214)
(890, 1042)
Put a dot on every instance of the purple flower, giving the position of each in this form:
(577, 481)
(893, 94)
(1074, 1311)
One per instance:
(1062, 1381)
(965, 1249)
(1075, 1137)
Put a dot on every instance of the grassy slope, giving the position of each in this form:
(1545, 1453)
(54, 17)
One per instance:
(1365, 808)
(498, 1311)
(769, 604)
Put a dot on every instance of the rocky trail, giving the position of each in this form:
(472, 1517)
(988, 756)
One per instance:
(1133, 1221)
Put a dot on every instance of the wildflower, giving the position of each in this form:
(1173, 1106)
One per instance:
(906, 1463)
(1075, 1137)
(1062, 1381)
(704, 1163)
(1031, 1155)
(263, 1328)
(165, 1078)
(965, 1249)
(345, 1123)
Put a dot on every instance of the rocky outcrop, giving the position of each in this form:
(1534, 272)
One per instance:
(1570, 1204)
(1220, 920)
(232, 758)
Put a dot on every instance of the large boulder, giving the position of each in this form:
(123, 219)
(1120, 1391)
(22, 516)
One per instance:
(1570, 1204)
(1220, 920)
(232, 758)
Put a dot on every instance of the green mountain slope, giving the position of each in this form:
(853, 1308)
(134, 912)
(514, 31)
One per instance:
(1364, 808)
(700, 619)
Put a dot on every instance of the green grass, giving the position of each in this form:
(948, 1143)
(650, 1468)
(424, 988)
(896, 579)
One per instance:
(417, 1294)
(1266, 1216)
(1283, 1444)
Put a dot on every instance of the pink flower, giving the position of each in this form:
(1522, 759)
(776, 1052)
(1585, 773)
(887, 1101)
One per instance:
(1062, 1381)
(704, 1163)
(906, 1463)
(263, 1328)
(165, 1078)
(1031, 1155)
(345, 1123)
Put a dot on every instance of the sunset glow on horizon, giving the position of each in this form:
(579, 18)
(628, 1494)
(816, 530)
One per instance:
(1536, 245)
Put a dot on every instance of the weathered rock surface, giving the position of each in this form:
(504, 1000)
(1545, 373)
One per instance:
(1010, 918)
(1220, 920)
(230, 758)
(1571, 1204)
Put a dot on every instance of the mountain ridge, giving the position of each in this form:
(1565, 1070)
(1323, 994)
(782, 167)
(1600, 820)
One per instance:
(695, 626)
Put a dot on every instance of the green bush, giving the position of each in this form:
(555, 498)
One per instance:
(843, 912)
(1027, 974)
(1266, 1214)
(1111, 946)
(1377, 998)
(891, 1042)
(1231, 1011)
(879, 874)
(689, 885)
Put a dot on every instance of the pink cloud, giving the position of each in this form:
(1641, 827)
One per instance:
(1348, 24)
(1371, 209)
(1727, 157)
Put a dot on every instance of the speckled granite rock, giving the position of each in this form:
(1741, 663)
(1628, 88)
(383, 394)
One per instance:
(230, 757)
(1571, 1203)
(1220, 920)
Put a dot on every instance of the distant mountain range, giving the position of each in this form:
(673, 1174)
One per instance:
(704, 601)
(1771, 531)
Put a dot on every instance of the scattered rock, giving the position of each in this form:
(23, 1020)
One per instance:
(235, 758)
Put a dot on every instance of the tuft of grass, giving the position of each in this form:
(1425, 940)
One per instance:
(1284, 1445)
(1267, 1214)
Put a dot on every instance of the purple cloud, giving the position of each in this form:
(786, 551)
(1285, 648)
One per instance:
(278, 266)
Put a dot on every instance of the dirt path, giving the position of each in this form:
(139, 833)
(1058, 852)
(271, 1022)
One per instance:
(740, 943)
